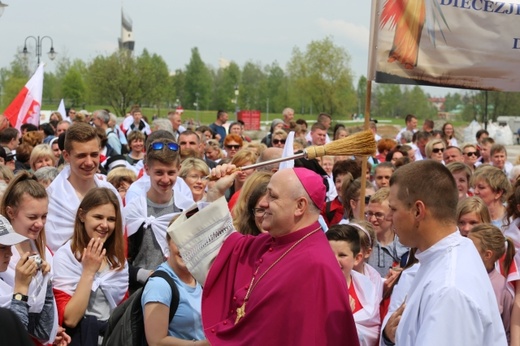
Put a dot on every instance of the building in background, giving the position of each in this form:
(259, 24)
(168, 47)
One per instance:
(126, 41)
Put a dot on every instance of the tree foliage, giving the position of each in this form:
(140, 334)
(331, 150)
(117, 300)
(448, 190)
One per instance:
(316, 79)
(322, 75)
(115, 80)
(198, 81)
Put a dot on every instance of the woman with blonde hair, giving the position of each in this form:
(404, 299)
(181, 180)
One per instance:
(42, 156)
(194, 172)
(435, 150)
(213, 150)
(279, 137)
(493, 186)
(471, 212)
(256, 147)
(247, 215)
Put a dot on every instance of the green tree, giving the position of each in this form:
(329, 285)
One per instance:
(322, 78)
(115, 80)
(361, 95)
(178, 81)
(198, 81)
(277, 88)
(415, 101)
(73, 87)
(253, 89)
(385, 101)
(13, 79)
(154, 79)
(452, 101)
(224, 87)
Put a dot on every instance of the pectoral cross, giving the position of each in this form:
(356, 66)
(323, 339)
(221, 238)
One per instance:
(241, 312)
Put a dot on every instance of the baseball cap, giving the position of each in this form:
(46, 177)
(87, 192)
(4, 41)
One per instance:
(7, 234)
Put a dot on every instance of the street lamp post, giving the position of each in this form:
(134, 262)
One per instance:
(2, 8)
(39, 40)
(236, 102)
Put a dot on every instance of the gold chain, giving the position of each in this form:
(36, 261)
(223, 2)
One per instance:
(241, 310)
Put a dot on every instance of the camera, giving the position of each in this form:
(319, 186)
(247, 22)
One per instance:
(38, 260)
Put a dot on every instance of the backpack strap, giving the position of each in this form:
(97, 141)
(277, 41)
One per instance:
(175, 291)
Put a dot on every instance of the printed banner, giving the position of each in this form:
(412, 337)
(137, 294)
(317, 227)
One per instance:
(473, 44)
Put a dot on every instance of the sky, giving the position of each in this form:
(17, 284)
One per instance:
(238, 30)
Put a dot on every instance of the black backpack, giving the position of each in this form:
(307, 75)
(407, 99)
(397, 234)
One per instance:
(126, 325)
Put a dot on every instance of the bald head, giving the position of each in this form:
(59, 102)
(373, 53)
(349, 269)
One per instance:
(267, 155)
(288, 205)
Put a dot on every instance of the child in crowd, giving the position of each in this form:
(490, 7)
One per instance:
(367, 237)
(364, 298)
(471, 212)
(492, 245)
(462, 174)
(186, 324)
(327, 163)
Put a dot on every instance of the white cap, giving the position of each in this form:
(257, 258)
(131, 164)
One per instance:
(7, 234)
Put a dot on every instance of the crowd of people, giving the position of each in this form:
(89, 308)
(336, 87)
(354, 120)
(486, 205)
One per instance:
(91, 210)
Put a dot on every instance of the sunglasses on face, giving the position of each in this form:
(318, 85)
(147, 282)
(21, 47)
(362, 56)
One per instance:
(278, 141)
(235, 147)
(160, 146)
(438, 150)
(471, 153)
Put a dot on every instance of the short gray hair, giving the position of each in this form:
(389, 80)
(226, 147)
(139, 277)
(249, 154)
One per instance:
(103, 115)
(46, 174)
(162, 124)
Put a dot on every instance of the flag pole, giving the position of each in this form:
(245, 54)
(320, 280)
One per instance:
(368, 98)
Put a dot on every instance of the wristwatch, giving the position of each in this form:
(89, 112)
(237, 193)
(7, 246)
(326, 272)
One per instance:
(21, 297)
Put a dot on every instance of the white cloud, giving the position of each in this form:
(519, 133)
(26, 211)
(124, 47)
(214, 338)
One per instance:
(358, 34)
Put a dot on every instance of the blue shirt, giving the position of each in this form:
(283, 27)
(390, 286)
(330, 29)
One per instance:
(187, 321)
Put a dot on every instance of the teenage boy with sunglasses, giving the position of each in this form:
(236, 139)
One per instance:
(147, 216)
(81, 152)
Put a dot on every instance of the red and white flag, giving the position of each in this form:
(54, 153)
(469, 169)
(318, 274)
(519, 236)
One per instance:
(25, 108)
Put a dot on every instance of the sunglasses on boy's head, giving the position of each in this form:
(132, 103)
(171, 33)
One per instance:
(160, 146)
(278, 141)
(438, 150)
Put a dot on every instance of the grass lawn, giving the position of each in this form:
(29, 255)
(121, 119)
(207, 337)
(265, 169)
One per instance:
(208, 117)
